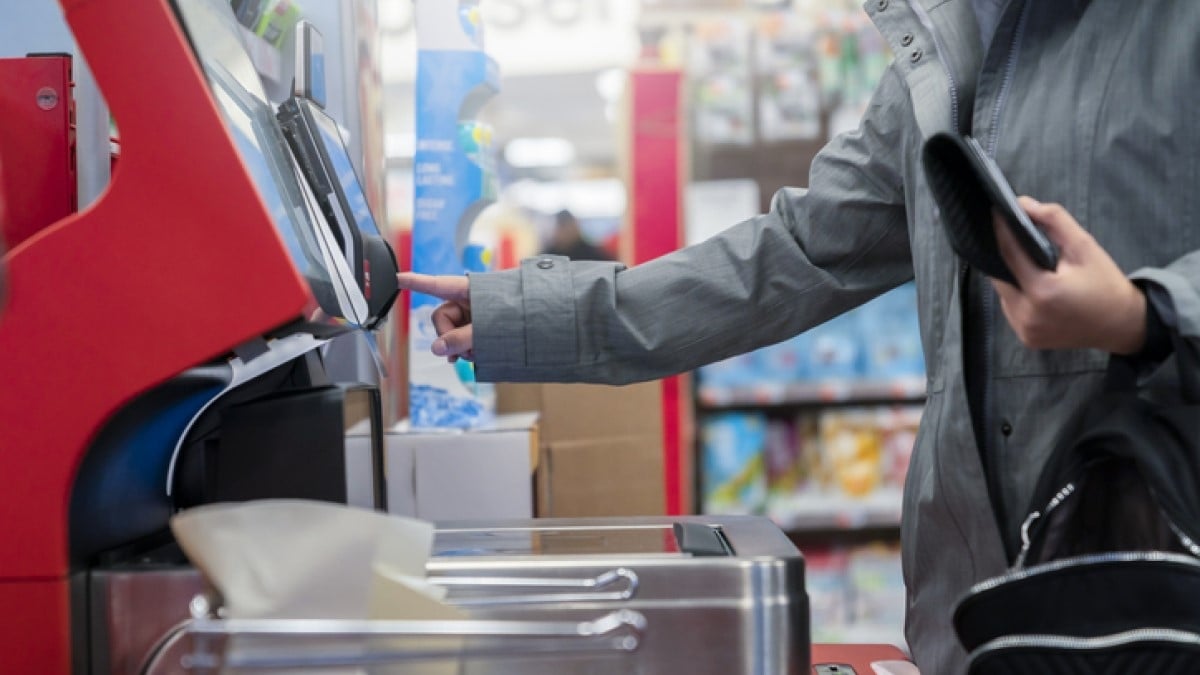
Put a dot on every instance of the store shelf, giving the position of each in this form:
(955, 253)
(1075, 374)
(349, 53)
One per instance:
(267, 59)
(822, 512)
(812, 393)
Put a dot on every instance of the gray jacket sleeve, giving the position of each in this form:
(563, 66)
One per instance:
(817, 253)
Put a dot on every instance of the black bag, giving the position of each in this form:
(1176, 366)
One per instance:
(1108, 577)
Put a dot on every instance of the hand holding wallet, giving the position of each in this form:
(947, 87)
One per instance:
(967, 185)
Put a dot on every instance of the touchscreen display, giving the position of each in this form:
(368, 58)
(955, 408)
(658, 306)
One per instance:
(347, 178)
(317, 142)
(250, 118)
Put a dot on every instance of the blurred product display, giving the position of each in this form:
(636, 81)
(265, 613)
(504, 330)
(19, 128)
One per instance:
(782, 432)
(768, 88)
(819, 469)
(815, 431)
(789, 82)
(272, 20)
(719, 66)
(454, 180)
(871, 353)
(856, 594)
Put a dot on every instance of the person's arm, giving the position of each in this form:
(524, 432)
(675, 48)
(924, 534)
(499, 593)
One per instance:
(817, 253)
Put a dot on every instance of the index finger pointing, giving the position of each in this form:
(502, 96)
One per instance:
(452, 288)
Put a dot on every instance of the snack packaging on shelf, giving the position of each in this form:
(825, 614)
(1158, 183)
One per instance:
(824, 469)
(855, 594)
(736, 371)
(837, 349)
(892, 335)
(851, 452)
(722, 88)
(867, 450)
(784, 459)
(877, 585)
(784, 362)
(827, 584)
(789, 103)
(898, 426)
(876, 345)
(732, 455)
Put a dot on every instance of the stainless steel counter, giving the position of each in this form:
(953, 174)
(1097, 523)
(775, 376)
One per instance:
(696, 595)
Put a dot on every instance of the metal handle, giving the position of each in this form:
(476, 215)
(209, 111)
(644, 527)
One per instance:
(595, 586)
(316, 643)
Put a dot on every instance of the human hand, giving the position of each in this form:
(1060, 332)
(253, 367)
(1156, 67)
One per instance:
(1088, 302)
(452, 319)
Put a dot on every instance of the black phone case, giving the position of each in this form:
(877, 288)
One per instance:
(967, 185)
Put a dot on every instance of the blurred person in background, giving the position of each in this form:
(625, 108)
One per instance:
(567, 240)
(1089, 105)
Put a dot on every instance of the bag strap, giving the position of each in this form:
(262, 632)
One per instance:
(1187, 361)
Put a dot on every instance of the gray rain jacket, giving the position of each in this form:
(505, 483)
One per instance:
(1091, 104)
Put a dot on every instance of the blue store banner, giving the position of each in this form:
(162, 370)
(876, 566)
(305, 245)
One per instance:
(453, 182)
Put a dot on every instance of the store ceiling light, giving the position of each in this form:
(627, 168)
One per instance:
(610, 84)
(532, 153)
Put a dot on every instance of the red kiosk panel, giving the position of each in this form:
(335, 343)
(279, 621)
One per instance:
(37, 143)
(175, 264)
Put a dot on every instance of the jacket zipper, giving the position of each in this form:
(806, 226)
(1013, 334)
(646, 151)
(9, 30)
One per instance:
(1081, 561)
(1092, 643)
(1188, 543)
(1060, 497)
(1010, 65)
(992, 465)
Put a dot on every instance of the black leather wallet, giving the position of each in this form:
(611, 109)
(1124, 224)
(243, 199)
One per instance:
(967, 185)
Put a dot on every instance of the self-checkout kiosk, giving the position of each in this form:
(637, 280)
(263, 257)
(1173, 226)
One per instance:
(161, 350)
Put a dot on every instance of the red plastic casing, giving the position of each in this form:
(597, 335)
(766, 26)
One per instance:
(37, 139)
(177, 262)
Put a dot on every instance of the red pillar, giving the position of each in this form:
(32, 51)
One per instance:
(656, 186)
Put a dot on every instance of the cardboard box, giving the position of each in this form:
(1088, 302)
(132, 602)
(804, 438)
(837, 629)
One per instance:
(461, 475)
(601, 477)
(601, 447)
(577, 412)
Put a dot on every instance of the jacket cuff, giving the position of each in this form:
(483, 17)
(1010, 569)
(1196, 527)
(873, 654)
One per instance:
(1177, 301)
(1158, 344)
(522, 318)
(1164, 291)
(497, 321)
